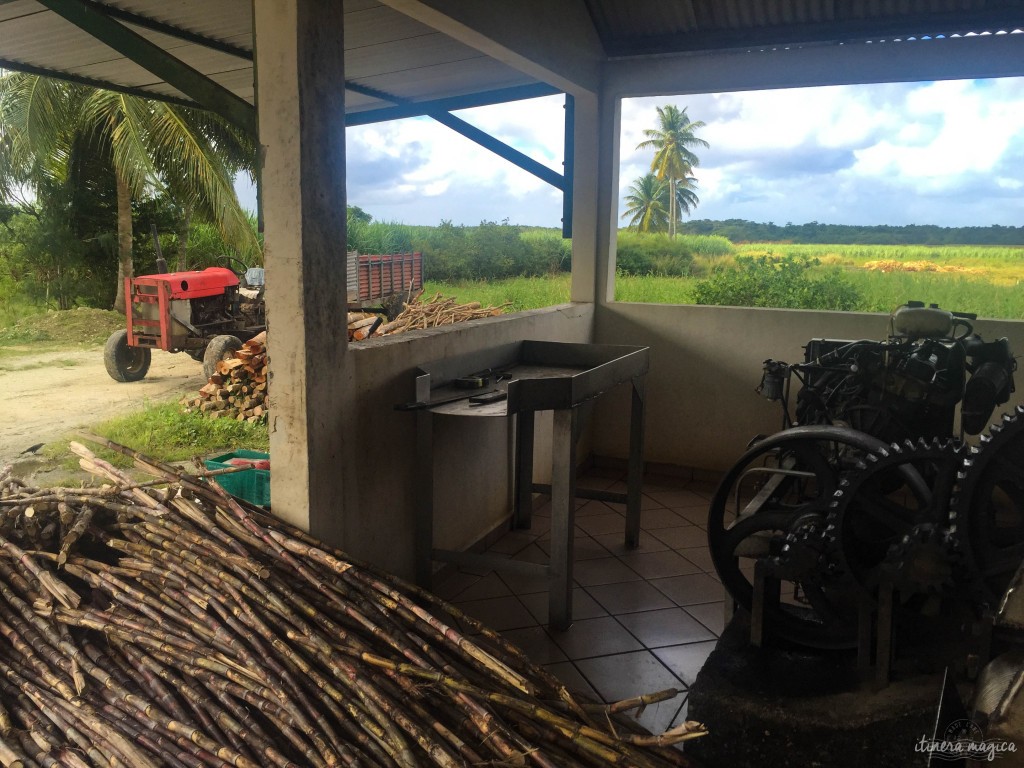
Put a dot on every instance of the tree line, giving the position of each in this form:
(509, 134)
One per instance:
(816, 233)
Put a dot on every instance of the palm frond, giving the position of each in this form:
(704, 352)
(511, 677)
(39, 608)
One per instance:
(196, 170)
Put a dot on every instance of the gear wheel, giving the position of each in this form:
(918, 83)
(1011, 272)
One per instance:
(988, 507)
(897, 500)
(780, 484)
(924, 562)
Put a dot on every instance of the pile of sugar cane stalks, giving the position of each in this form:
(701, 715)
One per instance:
(167, 624)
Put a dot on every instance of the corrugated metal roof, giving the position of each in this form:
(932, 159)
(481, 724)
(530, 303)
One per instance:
(644, 27)
(389, 53)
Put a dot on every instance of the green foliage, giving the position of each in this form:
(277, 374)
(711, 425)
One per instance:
(355, 213)
(547, 252)
(519, 293)
(45, 260)
(884, 292)
(376, 237)
(64, 144)
(786, 282)
(490, 251)
(647, 205)
(167, 434)
(742, 231)
(650, 289)
(83, 326)
(710, 246)
(641, 253)
(13, 307)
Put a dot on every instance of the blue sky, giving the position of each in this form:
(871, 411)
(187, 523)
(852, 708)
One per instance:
(948, 153)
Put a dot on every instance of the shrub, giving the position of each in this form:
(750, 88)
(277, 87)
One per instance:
(766, 281)
(547, 253)
(642, 253)
(710, 246)
(377, 237)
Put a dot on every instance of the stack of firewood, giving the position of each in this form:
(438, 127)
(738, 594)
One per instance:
(363, 325)
(238, 390)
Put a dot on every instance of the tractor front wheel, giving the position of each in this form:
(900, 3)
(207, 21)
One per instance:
(219, 348)
(123, 362)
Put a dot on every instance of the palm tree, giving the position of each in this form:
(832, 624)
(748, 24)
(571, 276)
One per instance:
(673, 159)
(152, 145)
(686, 196)
(647, 204)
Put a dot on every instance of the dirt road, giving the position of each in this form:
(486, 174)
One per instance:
(46, 395)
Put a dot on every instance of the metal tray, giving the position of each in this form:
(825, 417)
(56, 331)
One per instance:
(535, 375)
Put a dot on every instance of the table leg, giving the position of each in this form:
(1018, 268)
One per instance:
(563, 513)
(635, 473)
(423, 546)
(522, 511)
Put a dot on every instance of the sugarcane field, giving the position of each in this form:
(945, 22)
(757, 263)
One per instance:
(163, 622)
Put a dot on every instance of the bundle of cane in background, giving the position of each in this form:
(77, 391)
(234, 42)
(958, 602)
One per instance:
(167, 624)
(436, 311)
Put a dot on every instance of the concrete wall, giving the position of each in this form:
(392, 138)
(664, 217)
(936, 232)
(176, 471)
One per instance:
(471, 455)
(705, 363)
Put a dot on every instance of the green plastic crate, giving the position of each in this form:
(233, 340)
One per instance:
(253, 485)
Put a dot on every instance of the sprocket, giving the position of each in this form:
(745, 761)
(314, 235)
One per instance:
(763, 503)
(883, 506)
(988, 506)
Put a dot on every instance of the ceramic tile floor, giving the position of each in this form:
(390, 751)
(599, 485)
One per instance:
(644, 619)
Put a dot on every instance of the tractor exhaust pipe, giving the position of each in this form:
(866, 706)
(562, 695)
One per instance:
(161, 263)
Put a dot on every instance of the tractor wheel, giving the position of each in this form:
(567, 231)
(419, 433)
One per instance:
(219, 348)
(125, 363)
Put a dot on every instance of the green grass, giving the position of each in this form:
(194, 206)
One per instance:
(79, 327)
(165, 433)
(884, 292)
(880, 291)
(998, 264)
(14, 308)
(651, 289)
(520, 293)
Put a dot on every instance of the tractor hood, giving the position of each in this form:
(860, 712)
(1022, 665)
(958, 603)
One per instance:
(195, 285)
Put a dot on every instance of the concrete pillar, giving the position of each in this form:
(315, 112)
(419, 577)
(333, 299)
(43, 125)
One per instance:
(609, 114)
(585, 211)
(301, 103)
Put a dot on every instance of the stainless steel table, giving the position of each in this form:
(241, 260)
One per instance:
(532, 376)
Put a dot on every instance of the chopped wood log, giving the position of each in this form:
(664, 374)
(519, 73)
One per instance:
(239, 385)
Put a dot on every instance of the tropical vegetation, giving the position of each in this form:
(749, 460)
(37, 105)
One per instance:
(672, 165)
(82, 161)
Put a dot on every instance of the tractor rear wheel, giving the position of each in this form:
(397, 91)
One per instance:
(219, 348)
(124, 362)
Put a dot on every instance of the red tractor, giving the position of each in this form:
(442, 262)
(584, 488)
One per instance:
(206, 314)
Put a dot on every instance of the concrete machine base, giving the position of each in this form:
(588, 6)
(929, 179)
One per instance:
(794, 709)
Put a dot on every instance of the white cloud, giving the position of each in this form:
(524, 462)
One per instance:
(897, 153)
(945, 152)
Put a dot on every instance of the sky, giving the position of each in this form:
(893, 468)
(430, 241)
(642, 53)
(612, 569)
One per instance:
(949, 153)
